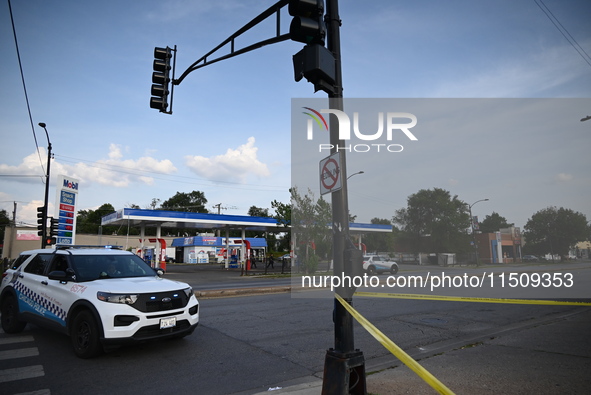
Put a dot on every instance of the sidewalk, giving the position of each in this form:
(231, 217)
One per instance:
(543, 358)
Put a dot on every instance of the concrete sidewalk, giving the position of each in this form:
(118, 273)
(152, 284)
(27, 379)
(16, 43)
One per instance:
(552, 357)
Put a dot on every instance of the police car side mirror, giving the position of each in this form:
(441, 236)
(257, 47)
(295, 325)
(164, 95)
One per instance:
(60, 275)
(160, 272)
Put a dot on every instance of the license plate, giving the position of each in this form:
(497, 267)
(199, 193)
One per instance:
(167, 322)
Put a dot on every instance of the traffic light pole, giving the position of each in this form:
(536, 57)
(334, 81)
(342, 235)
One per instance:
(46, 201)
(344, 367)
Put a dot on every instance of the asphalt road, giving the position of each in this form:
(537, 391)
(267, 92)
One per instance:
(248, 344)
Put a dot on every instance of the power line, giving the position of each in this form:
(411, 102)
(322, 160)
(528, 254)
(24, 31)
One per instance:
(18, 55)
(563, 30)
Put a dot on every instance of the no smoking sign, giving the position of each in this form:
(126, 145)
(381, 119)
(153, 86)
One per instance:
(330, 174)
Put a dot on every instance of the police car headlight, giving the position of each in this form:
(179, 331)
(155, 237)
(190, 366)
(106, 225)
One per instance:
(116, 298)
(188, 292)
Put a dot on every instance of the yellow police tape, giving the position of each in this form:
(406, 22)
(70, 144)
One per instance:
(471, 299)
(397, 351)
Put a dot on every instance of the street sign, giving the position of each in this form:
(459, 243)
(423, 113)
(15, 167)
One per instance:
(330, 174)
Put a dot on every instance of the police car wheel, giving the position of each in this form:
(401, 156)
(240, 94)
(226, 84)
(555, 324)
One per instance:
(85, 335)
(394, 269)
(9, 316)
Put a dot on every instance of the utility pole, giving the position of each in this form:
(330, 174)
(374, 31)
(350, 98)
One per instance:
(46, 200)
(344, 367)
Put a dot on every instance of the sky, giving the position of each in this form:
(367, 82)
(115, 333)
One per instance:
(87, 70)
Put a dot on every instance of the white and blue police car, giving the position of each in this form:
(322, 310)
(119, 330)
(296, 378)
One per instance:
(100, 297)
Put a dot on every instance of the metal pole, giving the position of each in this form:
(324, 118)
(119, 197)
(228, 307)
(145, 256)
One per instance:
(473, 231)
(344, 369)
(44, 230)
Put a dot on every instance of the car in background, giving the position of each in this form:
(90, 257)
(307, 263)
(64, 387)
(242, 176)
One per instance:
(100, 297)
(373, 264)
(529, 258)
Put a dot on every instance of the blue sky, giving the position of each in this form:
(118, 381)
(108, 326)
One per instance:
(88, 65)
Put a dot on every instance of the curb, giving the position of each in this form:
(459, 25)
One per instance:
(217, 293)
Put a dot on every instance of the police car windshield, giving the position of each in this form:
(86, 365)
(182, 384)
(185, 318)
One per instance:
(93, 267)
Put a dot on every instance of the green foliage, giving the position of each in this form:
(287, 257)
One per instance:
(554, 230)
(434, 221)
(89, 221)
(255, 211)
(4, 222)
(283, 217)
(311, 263)
(310, 226)
(282, 212)
(493, 223)
(193, 202)
(376, 242)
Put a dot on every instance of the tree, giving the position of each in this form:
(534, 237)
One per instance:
(193, 202)
(255, 211)
(311, 226)
(555, 231)
(4, 222)
(283, 217)
(89, 221)
(375, 242)
(434, 221)
(493, 223)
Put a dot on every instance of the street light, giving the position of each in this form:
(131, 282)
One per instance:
(354, 174)
(44, 230)
(472, 226)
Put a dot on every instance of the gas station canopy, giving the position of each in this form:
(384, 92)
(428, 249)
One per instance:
(178, 219)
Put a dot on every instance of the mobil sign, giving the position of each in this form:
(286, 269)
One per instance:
(67, 196)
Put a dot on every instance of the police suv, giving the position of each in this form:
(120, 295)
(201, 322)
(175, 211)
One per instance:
(100, 297)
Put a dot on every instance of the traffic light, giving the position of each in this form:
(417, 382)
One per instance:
(53, 227)
(314, 62)
(50, 241)
(41, 221)
(317, 64)
(161, 78)
(307, 25)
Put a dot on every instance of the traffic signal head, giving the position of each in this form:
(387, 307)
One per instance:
(53, 227)
(307, 25)
(161, 78)
(41, 221)
(317, 64)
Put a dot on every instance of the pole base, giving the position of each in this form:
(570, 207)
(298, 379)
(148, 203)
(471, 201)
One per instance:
(344, 374)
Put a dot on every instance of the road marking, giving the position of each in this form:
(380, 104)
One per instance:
(14, 374)
(19, 353)
(471, 299)
(16, 339)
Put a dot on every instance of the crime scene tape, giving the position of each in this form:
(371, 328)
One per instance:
(471, 299)
(394, 349)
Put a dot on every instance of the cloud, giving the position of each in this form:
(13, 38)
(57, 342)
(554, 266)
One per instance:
(113, 171)
(233, 166)
(28, 170)
(564, 177)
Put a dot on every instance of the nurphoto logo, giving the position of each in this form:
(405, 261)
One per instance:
(390, 123)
